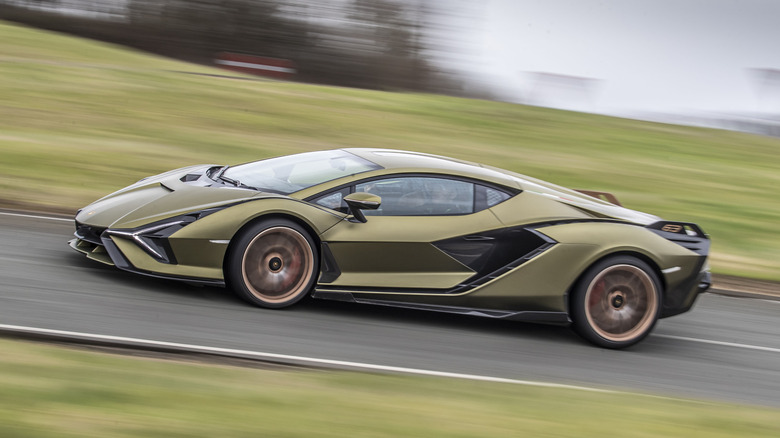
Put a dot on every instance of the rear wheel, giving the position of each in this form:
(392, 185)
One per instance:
(617, 302)
(273, 264)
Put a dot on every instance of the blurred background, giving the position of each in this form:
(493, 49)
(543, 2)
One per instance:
(697, 62)
(376, 44)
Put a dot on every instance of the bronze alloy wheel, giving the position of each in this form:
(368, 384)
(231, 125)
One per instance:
(277, 266)
(621, 302)
(617, 302)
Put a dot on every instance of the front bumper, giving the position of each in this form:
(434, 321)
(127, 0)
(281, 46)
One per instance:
(97, 244)
(682, 298)
(91, 250)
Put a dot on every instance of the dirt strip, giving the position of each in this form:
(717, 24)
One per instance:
(740, 286)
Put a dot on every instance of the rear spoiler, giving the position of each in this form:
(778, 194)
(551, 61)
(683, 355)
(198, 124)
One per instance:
(604, 196)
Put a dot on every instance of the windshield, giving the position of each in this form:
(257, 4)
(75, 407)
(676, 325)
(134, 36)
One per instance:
(292, 173)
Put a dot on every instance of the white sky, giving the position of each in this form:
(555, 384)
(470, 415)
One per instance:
(655, 55)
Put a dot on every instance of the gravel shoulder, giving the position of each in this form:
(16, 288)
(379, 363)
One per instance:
(745, 287)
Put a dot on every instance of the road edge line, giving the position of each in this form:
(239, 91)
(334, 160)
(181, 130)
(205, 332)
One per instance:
(36, 216)
(174, 347)
(720, 343)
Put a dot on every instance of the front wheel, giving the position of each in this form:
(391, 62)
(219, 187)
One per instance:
(617, 302)
(273, 264)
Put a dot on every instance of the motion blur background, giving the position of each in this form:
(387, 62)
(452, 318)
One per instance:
(700, 62)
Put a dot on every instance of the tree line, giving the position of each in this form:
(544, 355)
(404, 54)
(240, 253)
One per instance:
(376, 44)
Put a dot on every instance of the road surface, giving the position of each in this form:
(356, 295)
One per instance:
(724, 349)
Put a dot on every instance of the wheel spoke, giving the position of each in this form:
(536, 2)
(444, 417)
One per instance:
(635, 284)
(624, 322)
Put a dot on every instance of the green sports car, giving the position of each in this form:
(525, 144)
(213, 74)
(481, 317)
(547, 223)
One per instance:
(405, 229)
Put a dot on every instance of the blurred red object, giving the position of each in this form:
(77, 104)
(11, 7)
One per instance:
(256, 65)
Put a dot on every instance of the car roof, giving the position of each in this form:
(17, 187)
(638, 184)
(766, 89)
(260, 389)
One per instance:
(413, 162)
(397, 161)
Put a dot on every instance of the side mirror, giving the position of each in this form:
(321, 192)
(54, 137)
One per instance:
(362, 201)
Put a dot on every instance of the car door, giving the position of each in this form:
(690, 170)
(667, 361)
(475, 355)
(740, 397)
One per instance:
(395, 248)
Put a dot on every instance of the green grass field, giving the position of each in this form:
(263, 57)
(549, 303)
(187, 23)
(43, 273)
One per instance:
(79, 119)
(58, 392)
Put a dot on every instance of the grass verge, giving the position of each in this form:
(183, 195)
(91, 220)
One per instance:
(52, 391)
(79, 119)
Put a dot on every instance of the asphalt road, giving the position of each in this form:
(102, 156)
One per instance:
(724, 349)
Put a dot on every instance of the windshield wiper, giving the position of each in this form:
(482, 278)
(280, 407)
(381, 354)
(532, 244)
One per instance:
(237, 183)
(221, 175)
(220, 172)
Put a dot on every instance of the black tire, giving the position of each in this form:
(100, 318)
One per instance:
(273, 264)
(617, 302)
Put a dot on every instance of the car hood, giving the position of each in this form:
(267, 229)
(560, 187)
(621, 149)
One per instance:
(160, 197)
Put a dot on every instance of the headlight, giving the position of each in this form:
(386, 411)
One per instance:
(153, 238)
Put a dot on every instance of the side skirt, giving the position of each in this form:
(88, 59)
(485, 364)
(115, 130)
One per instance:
(557, 318)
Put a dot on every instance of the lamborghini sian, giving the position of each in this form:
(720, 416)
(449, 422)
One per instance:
(405, 229)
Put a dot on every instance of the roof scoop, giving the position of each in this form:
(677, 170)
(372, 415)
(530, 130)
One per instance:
(604, 196)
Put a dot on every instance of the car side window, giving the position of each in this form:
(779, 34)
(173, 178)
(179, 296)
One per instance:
(334, 200)
(420, 196)
(486, 197)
